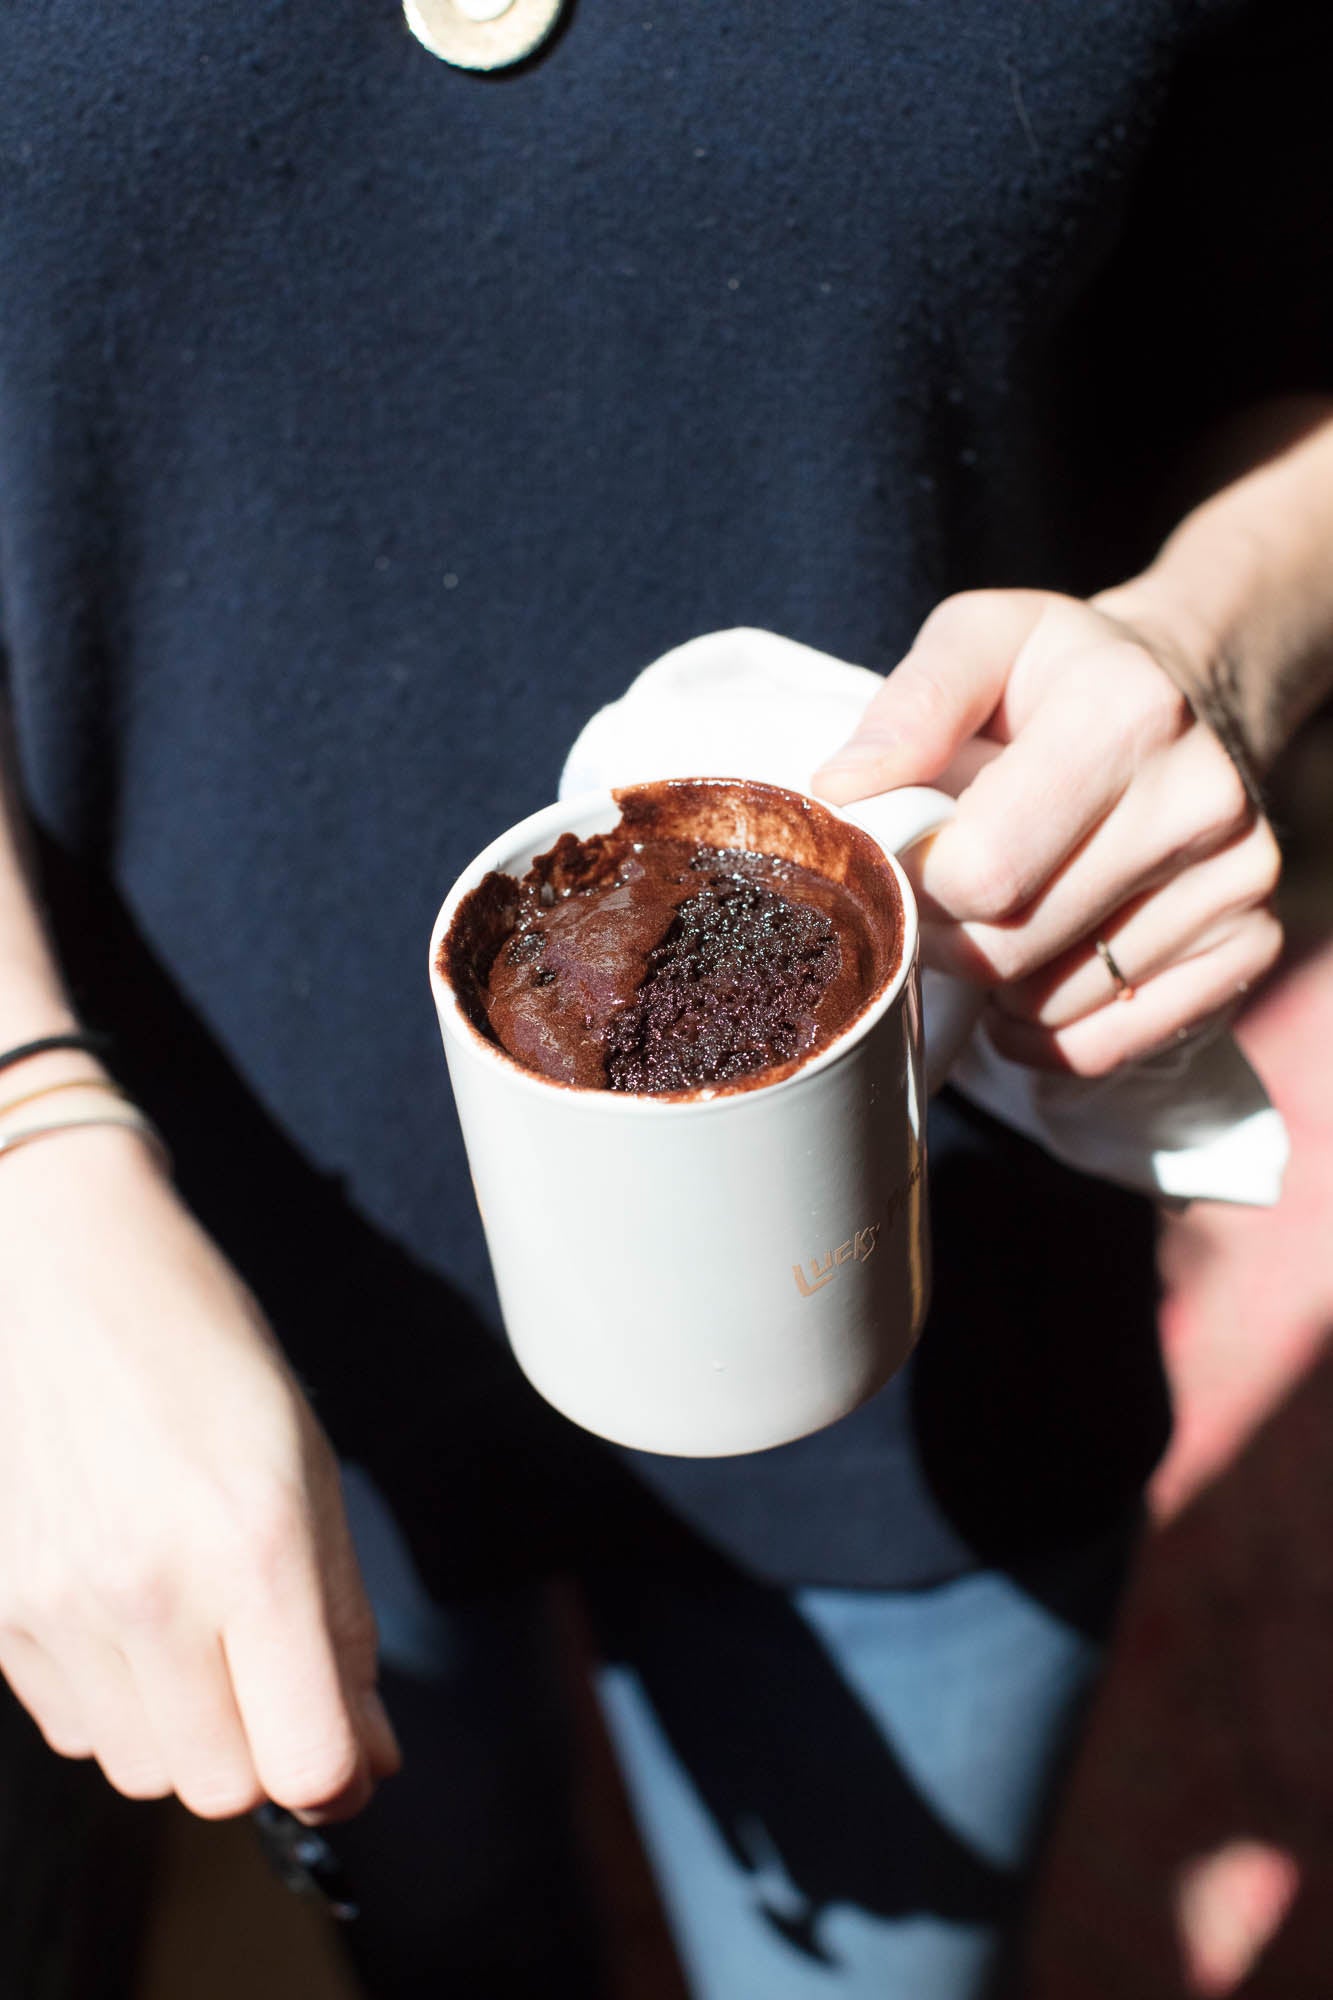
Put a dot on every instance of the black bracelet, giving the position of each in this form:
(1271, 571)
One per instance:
(1216, 707)
(91, 1044)
(1214, 704)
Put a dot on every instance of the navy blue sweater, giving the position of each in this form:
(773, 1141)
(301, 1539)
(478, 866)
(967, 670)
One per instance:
(365, 424)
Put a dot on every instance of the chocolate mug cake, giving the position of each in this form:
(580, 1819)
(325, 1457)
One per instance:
(655, 961)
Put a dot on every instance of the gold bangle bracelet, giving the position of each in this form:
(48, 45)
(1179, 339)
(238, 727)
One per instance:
(23, 1135)
(53, 1089)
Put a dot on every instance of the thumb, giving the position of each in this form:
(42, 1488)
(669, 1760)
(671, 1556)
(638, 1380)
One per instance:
(946, 689)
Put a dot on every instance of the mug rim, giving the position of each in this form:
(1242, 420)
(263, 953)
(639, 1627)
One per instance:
(560, 817)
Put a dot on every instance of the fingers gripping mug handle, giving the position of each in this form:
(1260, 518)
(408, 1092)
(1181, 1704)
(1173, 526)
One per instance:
(950, 1007)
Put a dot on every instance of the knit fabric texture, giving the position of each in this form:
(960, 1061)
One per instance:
(365, 424)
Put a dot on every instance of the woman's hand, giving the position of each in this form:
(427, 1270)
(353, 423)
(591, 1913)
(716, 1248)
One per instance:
(1091, 806)
(179, 1597)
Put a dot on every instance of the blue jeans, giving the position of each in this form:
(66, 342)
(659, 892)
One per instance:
(842, 1793)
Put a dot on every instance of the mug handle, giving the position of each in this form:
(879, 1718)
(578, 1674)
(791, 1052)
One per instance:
(950, 1007)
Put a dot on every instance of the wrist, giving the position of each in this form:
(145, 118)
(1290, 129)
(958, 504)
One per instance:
(1240, 597)
(51, 1095)
(1170, 619)
(40, 1178)
(1206, 607)
(52, 1069)
(29, 1064)
(31, 1008)
(1203, 596)
(1199, 649)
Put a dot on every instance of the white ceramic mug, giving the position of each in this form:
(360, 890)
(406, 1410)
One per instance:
(725, 1271)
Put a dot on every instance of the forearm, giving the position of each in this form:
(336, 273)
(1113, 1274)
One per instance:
(1241, 594)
